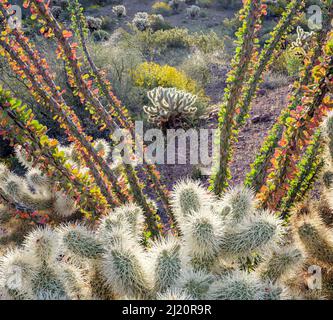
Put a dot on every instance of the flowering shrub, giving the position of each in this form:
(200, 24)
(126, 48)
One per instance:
(161, 8)
(150, 75)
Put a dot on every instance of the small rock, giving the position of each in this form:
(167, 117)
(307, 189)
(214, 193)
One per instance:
(261, 118)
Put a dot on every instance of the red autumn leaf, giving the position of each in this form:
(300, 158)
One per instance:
(67, 34)
(283, 143)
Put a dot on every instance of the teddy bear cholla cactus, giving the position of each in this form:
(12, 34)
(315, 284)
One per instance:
(110, 262)
(169, 105)
(37, 192)
(119, 11)
(94, 23)
(193, 11)
(141, 21)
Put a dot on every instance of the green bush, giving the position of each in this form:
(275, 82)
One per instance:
(100, 35)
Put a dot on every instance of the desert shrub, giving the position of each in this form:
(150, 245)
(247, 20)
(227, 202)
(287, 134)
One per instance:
(207, 42)
(273, 80)
(173, 38)
(161, 8)
(231, 25)
(150, 75)
(117, 60)
(180, 38)
(197, 67)
(289, 62)
(100, 35)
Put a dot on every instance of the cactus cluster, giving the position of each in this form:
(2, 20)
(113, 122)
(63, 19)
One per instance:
(119, 11)
(209, 259)
(36, 192)
(169, 106)
(141, 21)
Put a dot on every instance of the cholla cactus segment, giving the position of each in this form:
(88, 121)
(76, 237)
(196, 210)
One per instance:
(195, 283)
(174, 294)
(202, 233)
(190, 196)
(258, 233)
(63, 205)
(4, 172)
(281, 264)
(22, 156)
(43, 243)
(123, 267)
(4, 210)
(242, 202)
(75, 284)
(119, 11)
(17, 189)
(111, 229)
(134, 216)
(99, 287)
(35, 191)
(166, 263)
(169, 103)
(238, 285)
(16, 270)
(37, 180)
(141, 21)
(46, 284)
(328, 180)
(126, 221)
(316, 240)
(80, 242)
